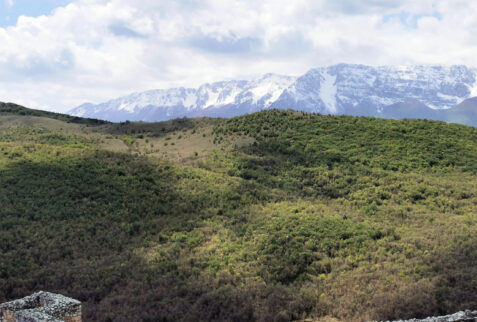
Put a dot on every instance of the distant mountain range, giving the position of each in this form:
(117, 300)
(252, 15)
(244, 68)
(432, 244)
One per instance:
(433, 92)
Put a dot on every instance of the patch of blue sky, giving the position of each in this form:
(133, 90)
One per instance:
(226, 45)
(10, 10)
(410, 20)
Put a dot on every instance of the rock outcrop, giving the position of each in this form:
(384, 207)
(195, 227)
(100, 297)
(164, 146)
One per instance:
(41, 307)
(463, 316)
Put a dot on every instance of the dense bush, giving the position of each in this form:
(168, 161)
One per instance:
(354, 218)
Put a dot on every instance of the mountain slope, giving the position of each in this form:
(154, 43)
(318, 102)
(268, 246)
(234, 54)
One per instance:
(339, 89)
(464, 113)
(411, 109)
(272, 216)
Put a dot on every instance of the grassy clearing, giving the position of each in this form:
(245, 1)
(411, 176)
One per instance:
(178, 144)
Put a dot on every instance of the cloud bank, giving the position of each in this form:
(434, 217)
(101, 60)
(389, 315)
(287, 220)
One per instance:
(93, 50)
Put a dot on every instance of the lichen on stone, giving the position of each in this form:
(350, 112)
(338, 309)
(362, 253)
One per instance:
(41, 307)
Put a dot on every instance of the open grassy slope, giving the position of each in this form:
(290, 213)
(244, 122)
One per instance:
(273, 216)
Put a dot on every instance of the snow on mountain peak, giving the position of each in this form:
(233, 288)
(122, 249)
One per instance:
(268, 88)
(328, 91)
(337, 89)
(473, 89)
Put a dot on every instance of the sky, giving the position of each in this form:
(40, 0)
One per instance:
(10, 10)
(58, 54)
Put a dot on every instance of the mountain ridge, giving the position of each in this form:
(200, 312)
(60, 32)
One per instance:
(339, 89)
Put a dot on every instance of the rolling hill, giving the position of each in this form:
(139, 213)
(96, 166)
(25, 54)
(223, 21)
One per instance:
(14, 109)
(272, 216)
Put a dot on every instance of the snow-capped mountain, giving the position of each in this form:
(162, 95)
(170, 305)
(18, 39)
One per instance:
(228, 98)
(338, 89)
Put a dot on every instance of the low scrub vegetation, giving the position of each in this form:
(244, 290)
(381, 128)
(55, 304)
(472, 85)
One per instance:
(316, 216)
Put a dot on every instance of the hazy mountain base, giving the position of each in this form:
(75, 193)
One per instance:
(464, 113)
(278, 216)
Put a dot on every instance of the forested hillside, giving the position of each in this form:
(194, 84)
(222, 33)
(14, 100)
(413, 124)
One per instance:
(273, 216)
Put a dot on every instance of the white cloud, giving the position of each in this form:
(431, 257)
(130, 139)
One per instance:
(9, 3)
(93, 50)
